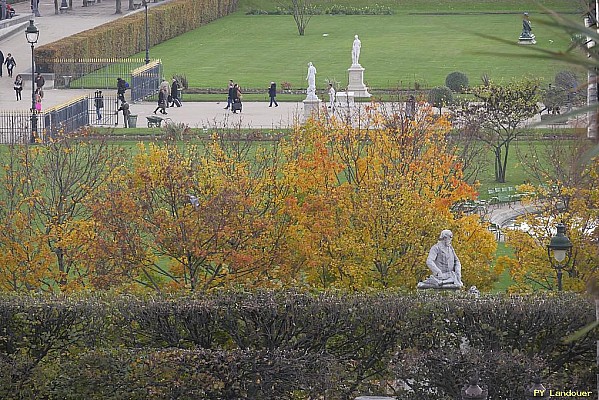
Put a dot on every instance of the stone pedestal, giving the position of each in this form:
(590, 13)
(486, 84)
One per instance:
(311, 106)
(527, 39)
(356, 81)
(344, 99)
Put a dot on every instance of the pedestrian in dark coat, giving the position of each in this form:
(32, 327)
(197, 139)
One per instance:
(121, 88)
(10, 64)
(18, 86)
(175, 93)
(161, 102)
(272, 93)
(229, 94)
(39, 82)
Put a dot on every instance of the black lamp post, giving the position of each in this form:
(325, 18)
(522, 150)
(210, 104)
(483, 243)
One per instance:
(32, 34)
(145, 4)
(561, 247)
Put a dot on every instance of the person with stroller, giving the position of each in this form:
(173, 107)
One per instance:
(236, 99)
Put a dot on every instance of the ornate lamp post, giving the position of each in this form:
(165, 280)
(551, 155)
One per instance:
(145, 4)
(32, 34)
(561, 247)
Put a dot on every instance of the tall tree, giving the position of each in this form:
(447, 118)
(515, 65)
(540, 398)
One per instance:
(301, 10)
(497, 115)
(371, 200)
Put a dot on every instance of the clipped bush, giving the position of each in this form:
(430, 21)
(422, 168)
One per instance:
(457, 81)
(289, 344)
(440, 97)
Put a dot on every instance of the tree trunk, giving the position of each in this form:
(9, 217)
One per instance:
(118, 7)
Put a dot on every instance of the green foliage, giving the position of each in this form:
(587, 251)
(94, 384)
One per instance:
(274, 344)
(440, 97)
(457, 81)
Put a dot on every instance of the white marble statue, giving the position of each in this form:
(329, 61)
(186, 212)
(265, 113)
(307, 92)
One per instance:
(444, 265)
(311, 78)
(355, 51)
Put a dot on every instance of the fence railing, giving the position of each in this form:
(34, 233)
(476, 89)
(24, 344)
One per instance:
(15, 126)
(145, 80)
(99, 73)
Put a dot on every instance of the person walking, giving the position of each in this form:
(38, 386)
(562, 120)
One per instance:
(126, 113)
(331, 97)
(121, 88)
(18, 86)
(230, 94)
(166, 88)
(10, 64)
(175, 88)
(98, 104)
(39, 83)
(161, 102)
(272, 93)
(38, 100)
(236, 99)
(1, 62)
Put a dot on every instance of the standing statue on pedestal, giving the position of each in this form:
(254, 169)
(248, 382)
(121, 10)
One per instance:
(444, 264)
(311, 78)
(355, 51)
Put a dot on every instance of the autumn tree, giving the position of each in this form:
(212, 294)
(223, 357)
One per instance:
(372, 199)
(565, 190)
(47, 187)
(497, 114)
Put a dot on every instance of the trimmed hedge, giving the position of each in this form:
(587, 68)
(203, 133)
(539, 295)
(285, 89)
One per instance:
(285, 345)
(126, 36)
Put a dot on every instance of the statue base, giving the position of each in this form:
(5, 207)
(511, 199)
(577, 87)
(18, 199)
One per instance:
(433, 282)
(422, 285)
(356, 81)
(311, 106)
(527, 39)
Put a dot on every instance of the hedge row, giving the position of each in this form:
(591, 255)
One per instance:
(125, 36)
(289, 345)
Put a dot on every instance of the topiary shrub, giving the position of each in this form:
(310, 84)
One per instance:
(457, 81)
(440, 96)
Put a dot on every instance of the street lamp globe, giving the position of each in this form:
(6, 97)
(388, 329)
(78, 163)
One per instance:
(558, 249)
(560, 245)
(32, 33)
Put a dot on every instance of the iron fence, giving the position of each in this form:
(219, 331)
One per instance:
(145, 80)
(15, 126)
(100, 73)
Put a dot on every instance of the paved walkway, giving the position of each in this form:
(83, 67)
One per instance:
(501, 214)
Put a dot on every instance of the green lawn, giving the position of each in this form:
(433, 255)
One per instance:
(398, 50)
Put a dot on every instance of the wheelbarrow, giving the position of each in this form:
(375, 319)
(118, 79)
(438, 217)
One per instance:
(154, 121)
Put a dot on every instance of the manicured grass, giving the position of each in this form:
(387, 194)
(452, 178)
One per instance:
(505, 281)
(398, 50)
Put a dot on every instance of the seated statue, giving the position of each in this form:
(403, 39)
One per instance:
(526, 28)
(444, 265)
